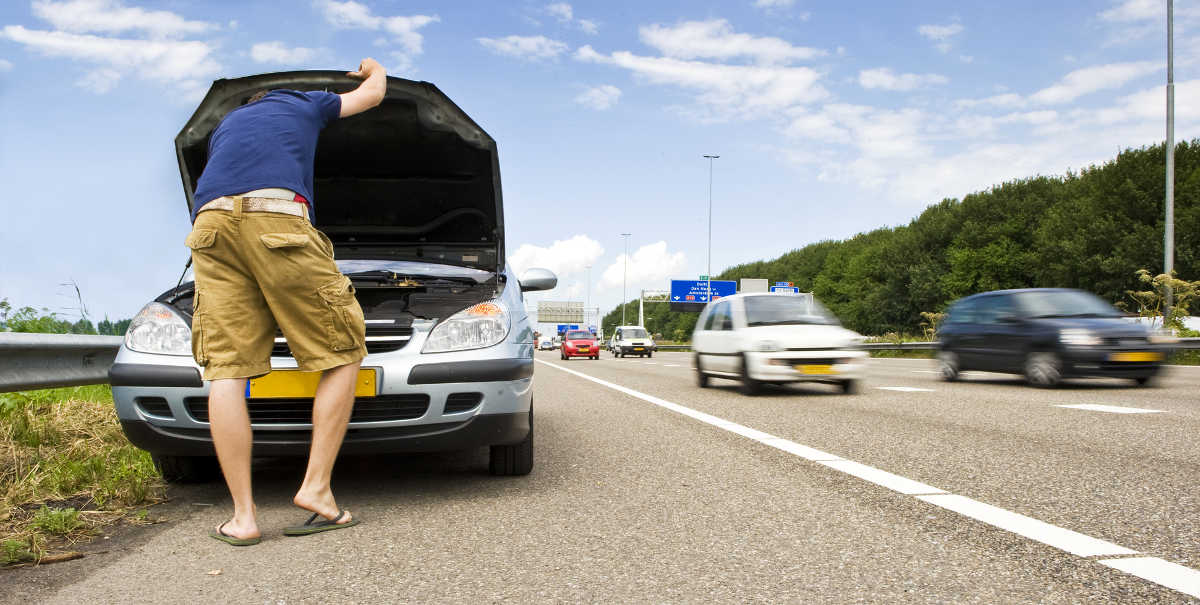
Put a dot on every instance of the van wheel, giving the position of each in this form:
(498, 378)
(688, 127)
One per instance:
(515, 459)
(649, 355)
(1043, 369)
(187, 469)
(1143, 380)
(701, 377)
(849, 387)
(750, 386)
(948, 365)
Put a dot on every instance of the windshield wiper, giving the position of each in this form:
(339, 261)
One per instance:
(784, 322)
(1082, 315)
(388, 277)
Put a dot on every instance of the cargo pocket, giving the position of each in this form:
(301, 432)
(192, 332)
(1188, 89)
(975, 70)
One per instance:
(198, 349)
(199, 239)
(345, 323)
(284, 240)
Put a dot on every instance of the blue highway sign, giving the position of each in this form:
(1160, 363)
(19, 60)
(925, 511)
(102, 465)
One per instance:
(696, 291)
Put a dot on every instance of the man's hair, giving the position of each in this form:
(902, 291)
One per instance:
(256, 96)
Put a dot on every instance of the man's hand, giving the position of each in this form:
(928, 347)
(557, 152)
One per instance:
(365, 69)
(369, 93)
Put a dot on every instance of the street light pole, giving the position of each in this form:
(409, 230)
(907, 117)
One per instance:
(625, 277)
(587, 304)
(1169, 230)
(708, 271)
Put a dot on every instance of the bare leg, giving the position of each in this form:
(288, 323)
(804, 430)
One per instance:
(331, 413)
(230, 426)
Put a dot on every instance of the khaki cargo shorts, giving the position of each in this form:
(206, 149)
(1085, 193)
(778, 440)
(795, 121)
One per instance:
(256, 271)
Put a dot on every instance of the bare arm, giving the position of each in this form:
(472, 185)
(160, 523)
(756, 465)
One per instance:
(369, 93)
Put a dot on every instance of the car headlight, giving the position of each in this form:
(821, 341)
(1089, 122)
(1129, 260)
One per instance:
(766, 346)
(1078, 337)
(475, 327)
(1163, 337)
(159, 329)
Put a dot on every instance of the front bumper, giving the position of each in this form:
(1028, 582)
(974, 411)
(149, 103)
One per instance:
(1106, 361)
(800, 366)
(636, 350)
(591, 352)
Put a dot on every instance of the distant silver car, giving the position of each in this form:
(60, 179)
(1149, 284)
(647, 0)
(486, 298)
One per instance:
(758, 338)
(409, 194)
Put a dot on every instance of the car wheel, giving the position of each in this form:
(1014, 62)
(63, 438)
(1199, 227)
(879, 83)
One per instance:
(750, 386)
(187, 469)
(515, 459)
(849, 387)
(649, 355)
(701, 377)
(948, 365)
(1043, 369)
(1144, 380)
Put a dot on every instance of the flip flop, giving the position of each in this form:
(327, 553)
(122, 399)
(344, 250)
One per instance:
(325, 525)
(219, 534)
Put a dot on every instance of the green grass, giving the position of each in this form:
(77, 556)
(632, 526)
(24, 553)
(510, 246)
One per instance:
(66, 469)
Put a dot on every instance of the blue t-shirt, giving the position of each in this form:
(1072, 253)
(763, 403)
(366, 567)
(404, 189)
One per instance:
(268, 143)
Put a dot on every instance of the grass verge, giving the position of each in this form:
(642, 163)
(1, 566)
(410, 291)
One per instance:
(66, 471)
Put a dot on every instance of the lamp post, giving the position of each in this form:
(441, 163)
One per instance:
(708, 271)
(587, 304)
(625, 276)
(1169, 219)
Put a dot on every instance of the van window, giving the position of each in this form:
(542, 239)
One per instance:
(721, 319)
(992, 308)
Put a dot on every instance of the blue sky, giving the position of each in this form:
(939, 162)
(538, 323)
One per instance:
(830, 118)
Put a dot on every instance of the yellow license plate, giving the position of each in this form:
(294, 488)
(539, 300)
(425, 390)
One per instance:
(638, 349)
(583, 349)
(816, 369)
(294, 383)
(1136, 356)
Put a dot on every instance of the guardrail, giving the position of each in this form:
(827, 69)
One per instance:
(42, 361)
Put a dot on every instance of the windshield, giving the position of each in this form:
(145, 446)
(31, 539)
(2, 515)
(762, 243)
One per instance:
(1064, 303)
(579, 335)
(633, 333)
(779, 310)
(406, 267)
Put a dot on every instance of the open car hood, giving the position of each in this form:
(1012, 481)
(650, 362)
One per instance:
(413, 179)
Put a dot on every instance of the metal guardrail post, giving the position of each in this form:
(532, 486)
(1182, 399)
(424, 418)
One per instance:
(42, 361)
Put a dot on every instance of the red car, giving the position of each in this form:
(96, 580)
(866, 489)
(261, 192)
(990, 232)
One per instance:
(580, 343)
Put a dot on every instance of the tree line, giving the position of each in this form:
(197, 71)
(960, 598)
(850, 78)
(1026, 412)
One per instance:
(1092, 230)
(45, 321)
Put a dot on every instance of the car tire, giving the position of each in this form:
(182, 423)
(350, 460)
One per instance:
(187, 469)
(515, 459)
(948, 365)
(701, 377)
(849, 387)
(649, 355)
(1144, 381)
(750, 386)
(1043, 369)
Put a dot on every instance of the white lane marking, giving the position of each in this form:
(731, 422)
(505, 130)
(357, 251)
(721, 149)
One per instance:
(893, 482)
(650, 363)
(905, 389)
(1171, 575)
(1095, 407)
(1038, 531)
(925, 371)
(670, 365)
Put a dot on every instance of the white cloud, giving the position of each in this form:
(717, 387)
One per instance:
(1135, 10)
(941, 35)
(165, 60)
(277, 52)
(564, 257)
(110, 17)
(599, 97)
(5, 65)
(651, 266)
(589, 27)
(561, 11)
(402, 29)
(524, 47)
(715, 39)
(100, 81)
(773, 3)
(886, 79)
(738, 88)
(1091, 79)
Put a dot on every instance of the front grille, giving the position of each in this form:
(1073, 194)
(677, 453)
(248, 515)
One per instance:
(154, 406)
(299, 410)
(461, 402)
(811, 362)
(379, 340)
(812, 349)
(304, 436)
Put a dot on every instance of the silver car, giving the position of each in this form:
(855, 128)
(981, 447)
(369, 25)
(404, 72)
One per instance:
(410, 195)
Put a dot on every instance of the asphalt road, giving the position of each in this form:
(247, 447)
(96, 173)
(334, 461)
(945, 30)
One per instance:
(635, 500)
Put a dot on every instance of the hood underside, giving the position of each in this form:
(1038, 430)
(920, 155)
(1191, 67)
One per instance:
(415, 178)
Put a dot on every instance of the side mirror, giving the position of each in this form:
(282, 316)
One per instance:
(535, 280)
